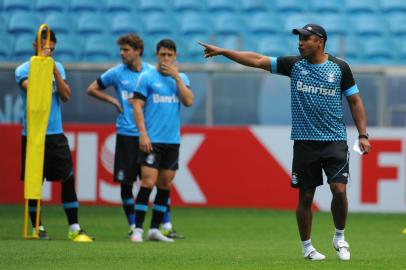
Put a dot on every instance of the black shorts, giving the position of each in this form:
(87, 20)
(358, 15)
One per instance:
(126, 166)
(310, 158)
(163, 156)
(57, 158)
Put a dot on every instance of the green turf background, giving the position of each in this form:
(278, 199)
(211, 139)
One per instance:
(215, 239)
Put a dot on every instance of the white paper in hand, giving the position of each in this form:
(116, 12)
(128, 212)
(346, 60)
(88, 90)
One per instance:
(356, 147)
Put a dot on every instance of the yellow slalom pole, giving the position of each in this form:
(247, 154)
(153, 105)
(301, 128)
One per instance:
(39, 97)
(25, 235)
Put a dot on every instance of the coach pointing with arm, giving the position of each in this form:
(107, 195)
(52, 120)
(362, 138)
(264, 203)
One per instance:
(318, 81)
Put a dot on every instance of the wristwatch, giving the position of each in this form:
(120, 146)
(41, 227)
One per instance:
(363, 136)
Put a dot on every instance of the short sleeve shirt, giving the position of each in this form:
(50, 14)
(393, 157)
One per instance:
(124, 81)
(316, 96)
(162, 106)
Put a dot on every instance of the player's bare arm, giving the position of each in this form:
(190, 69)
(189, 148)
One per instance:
(250, 59)
(145, 142)
(94, 90)
(358, 114)
(185, 95)
(62, 87)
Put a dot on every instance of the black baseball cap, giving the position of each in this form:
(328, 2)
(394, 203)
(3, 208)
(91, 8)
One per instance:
(311, 29)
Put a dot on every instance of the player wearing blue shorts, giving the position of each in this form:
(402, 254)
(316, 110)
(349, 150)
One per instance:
(57, 158)
(123, 79)
(158, 97)
(318, 82)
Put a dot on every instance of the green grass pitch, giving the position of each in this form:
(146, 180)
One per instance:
(215, 239)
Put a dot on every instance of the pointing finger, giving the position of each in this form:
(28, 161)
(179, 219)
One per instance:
(202, 44)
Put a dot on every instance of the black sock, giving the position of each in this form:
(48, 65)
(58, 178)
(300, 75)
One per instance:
(128, 202)
(141, 206)
(69, 200)
(167, 215)
(160, 207)
(32, 210)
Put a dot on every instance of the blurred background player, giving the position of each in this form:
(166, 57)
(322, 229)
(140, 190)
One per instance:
(157, 99)
(57, 159)
(318, 81)
(123, 79)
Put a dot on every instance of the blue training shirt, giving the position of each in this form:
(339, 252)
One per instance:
(162, 106)
(316, 96)
(55, 117)
(124, 81)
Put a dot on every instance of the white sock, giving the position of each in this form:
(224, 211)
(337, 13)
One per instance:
(132, 227)
(74, 227)
(338, 235)
(167, 226)
(306, 245)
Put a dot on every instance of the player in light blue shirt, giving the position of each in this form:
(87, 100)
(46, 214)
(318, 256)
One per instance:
(318, 83)
(58, 164)
(158, 98)
(123, 79)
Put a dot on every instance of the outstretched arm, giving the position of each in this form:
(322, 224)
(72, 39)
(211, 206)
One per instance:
(96, 91)
(250, 59)
(358, 114)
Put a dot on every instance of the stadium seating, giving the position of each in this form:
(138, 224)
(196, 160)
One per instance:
(146, 6)
(67, 48)
(333, 23)
(335, 46)
(352, 50)
(100, 48)
(3, 24)
(397, 25)
(228, 24)
(51, 5)
(222, 6)
(402, 50)
(23, 23)
(241, 22)
(287, 7)
(254, 6)
(114, 6)
(92, 23)
(85, 5)
(181, 6)
(393, 6)
(262, 24)
(361, 6)
(60, 22)
(126, 23)
(297, 21)
(6, 47)
(276, 47)
(193, 24)
(17, 5)
(327, 7)
(160, 24)
(23, 49)
(377, 51)
(369, 25)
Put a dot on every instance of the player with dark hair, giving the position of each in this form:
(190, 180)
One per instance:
(318, 82)
(123, 78)
(158, 97)
(57, 160)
